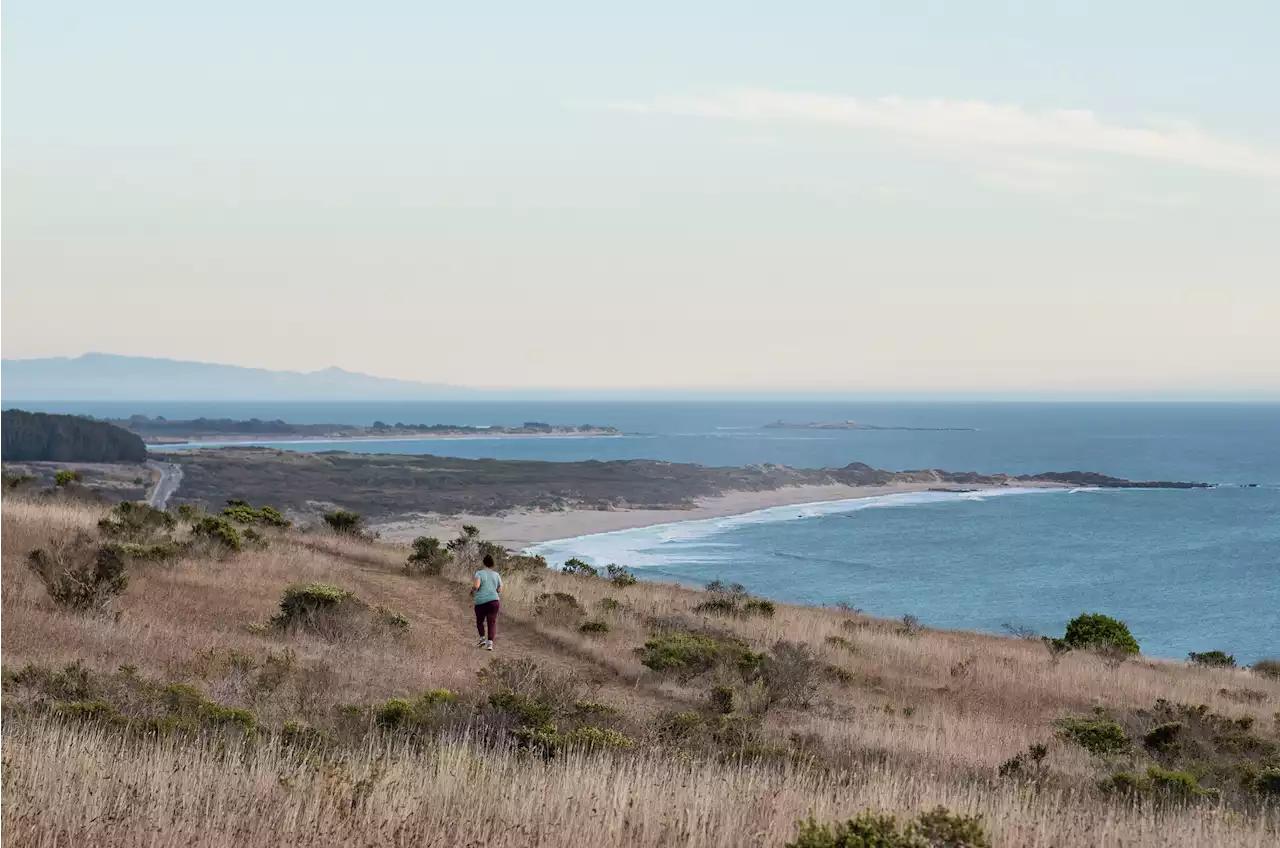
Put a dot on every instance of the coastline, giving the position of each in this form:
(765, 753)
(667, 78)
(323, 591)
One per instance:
(250, 440)
(521, 529)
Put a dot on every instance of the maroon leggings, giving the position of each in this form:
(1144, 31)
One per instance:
(487, 613)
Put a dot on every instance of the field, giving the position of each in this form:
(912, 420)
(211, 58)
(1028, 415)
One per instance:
(382, 486)
(187, 711)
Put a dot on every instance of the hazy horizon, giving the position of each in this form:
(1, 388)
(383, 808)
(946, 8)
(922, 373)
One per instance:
(920, 199)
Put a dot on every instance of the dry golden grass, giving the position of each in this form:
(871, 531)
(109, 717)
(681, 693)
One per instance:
(922, 720)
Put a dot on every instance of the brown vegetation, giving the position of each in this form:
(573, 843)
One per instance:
(190, 713)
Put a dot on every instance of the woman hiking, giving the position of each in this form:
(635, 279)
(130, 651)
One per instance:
(486, 587)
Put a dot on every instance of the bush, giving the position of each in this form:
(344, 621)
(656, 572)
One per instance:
(135, 521)
(219, 533)
(1267, 668)
(718, 606)
(429, 557)
(1096, 735)
(609, 604)
(1094, 630)
(620, 575)
(1029, 763)
(343, 522)
(1177, 785)
(1162, 737)
(687, 654)
(938, 828)
(242, 512)
(722, 700)
(791, 673)
(398, 713)
(332, 612)
(1215, 659)
(760, 607)
(558, 608)
(593, 627)
(1268, 782)
(152, 552)
(578, 568)
(66, 478)
(78, 575)
(598, 738)
(188, 512)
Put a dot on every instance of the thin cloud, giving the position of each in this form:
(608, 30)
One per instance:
(977, 124)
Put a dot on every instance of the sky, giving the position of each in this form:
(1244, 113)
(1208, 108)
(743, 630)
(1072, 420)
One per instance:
(845, 196)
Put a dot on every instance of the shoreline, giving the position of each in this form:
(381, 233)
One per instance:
(522, 529)
(249, 440)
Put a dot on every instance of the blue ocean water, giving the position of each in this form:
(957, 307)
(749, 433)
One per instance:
(1189, 570)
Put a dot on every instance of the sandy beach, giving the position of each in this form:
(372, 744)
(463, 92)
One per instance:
(520, 529)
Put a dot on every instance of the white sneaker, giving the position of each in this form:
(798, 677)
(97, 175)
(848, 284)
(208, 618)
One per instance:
(488, 645)
(483, 643)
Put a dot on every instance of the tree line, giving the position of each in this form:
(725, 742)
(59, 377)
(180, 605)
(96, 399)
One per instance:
(39, 436)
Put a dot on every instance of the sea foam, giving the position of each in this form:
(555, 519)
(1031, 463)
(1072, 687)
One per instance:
(694, 541)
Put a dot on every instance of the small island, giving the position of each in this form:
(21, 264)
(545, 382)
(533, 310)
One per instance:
(857, 425)
(160, 430)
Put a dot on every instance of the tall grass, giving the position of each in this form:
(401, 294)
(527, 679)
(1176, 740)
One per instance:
(918, 720)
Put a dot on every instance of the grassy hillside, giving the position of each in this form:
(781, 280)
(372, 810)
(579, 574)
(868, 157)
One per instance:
(189, 707)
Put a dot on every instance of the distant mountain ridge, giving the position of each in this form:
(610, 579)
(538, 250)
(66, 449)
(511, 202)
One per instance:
(108, 377)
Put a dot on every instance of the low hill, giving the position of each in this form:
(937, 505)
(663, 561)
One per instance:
(107, 377)
(206, 702)
(37, 436)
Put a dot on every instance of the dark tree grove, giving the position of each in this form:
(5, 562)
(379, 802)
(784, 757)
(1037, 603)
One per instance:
(35, 436)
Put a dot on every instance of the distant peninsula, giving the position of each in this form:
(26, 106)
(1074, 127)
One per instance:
(160, 430)
(856, 425)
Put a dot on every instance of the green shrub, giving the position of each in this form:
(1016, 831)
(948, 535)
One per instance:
(578, 568)
(149, 552)
(1094, 630)
(620, 575)
(593, 627)
(1180, 785)
(528, 711)
(429, 557)
(683, 653)
(1267, 668)
(79, 576)
(254, 539)
(135, 521)
(188, 512)
(598, 738)
(718, 606)
(66, 478)
(240, 511)
(1029, 763)
(332, 612)
(343, 522)
(96, 710)
(609, 604)
(1162, 737)
(1096, 735)
(938, 828)
(722, 699)
(677, 726)
(591, 709)
(219, 533)
(216, 715)
(1215, 659)
(760, 607)
(399, 713)
(1268, 782)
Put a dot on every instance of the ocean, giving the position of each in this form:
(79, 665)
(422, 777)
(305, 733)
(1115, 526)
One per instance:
(1188, 570)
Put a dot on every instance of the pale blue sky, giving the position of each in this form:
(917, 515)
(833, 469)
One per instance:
(849, 196)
